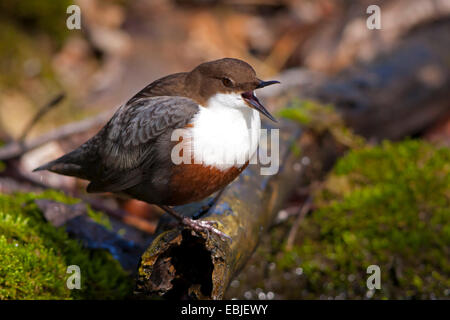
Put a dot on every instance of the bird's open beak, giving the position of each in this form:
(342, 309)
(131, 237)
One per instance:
(263, 84)
(250, 98)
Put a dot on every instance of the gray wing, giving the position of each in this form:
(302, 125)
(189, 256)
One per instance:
(126, 144)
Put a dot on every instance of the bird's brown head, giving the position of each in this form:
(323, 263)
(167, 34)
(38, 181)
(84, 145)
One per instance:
(227, 76)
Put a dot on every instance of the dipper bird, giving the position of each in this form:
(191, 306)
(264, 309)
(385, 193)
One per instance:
(133, 154)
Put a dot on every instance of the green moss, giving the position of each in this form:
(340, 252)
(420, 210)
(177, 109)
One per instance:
(388, 206)
(99, 217)
(295, 149)
(34, 256)
(320, 119)
(307, 112)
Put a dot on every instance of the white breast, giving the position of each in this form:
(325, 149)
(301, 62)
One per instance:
(225, 133)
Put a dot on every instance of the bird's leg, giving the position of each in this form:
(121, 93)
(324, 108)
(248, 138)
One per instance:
(196, 225)
(207, 206)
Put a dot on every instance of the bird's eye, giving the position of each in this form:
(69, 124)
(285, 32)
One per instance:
(227, 82)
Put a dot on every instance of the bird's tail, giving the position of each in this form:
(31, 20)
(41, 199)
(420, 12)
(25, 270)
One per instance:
(70, 164)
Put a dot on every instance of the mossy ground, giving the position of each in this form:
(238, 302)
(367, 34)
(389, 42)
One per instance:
(387, 205)
(34, 256)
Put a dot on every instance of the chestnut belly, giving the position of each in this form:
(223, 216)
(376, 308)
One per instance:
(194, 182)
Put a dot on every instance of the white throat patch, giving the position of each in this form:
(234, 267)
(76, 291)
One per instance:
(225, 133)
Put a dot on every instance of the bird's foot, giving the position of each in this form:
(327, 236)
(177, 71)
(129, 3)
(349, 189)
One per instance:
(206, 226)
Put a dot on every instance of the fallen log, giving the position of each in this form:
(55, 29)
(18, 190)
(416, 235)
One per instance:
(182, 264)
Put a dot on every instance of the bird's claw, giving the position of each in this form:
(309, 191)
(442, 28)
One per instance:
(206, 226)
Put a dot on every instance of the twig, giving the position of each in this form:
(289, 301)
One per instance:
(44, 110)
(16, 149)
(301, 215)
